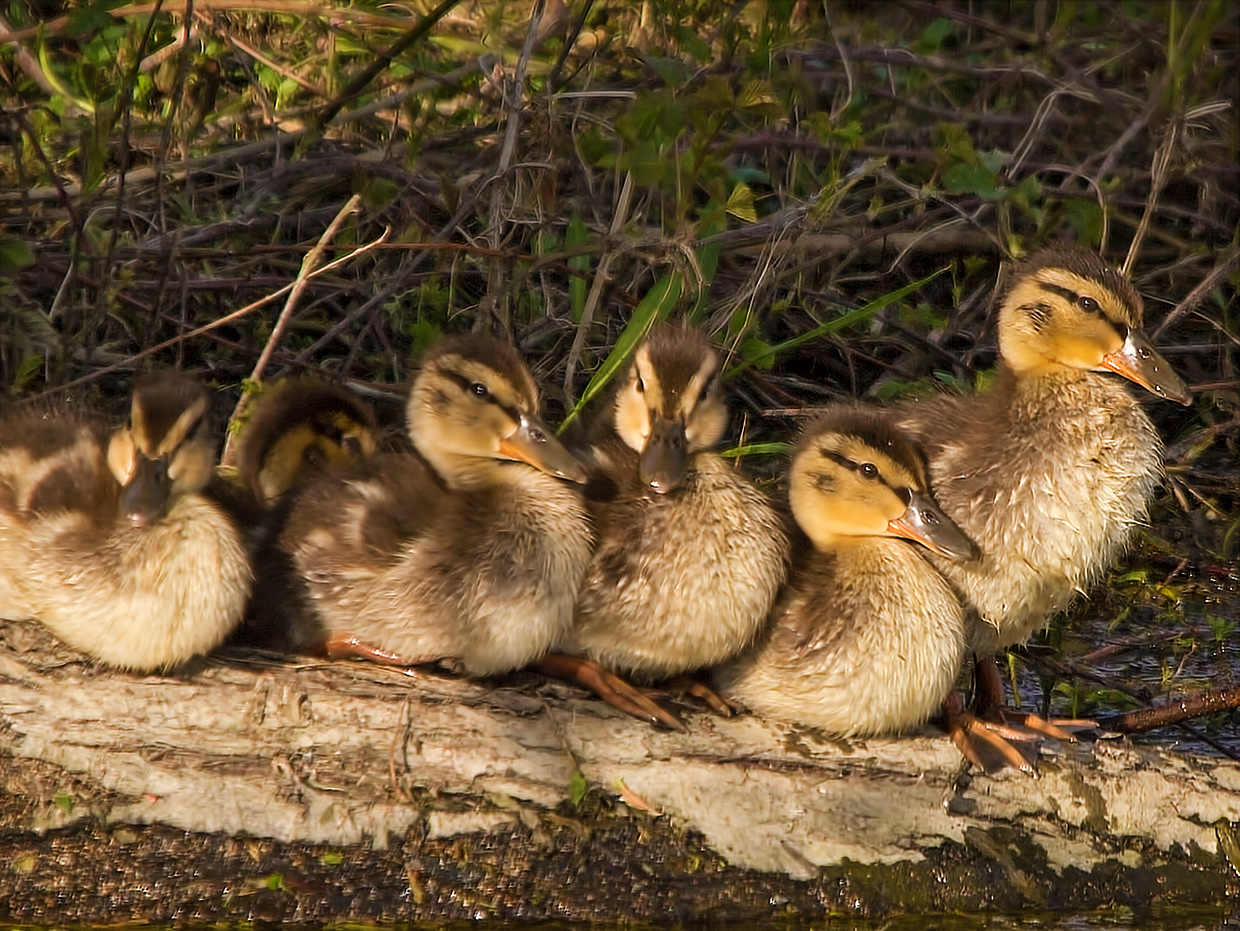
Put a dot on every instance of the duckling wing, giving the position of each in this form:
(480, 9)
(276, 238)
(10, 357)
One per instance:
(56, 462)
(355, 525)
(51, 463)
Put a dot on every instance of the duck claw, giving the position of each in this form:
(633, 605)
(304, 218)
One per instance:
(348, 646)
(1056, 728)
(990, 746)
(721, 705)
(610, 687)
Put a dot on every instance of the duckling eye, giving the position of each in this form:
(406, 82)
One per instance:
(641, 385)
(479, 389)
(1088, 304)
(868, 470)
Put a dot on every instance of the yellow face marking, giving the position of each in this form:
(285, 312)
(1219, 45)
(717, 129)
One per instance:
(706, 416)
(1042, 327)
(636, 399)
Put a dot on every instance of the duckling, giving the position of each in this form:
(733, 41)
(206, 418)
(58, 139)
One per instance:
(300, 430)
(1050, 469)
(867, 638)
(690, 555)
(470, 549)
(302, 427)
(108, 539)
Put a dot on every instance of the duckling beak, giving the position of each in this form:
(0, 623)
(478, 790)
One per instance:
(925, 523)
(1138, 361)
(535, 445)
(665, 459)
(145, 495)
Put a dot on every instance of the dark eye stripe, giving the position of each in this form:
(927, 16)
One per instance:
(467, 386)
(1086, 303)
(1066, 293)
(845, 462)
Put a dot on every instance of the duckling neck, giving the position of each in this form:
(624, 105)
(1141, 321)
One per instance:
(472, 473)
(1061, 392)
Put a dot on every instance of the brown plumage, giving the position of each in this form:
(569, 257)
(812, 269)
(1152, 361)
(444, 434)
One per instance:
(470, 550)
(1050, 469)
(302, 427)
(690, 555)
(301, 430)
(868, 637)
(106, 538)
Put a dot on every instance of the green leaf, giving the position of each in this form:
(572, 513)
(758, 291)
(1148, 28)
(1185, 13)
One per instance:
(14, 256)
(379, 193)
(577, 788)
(89, 19)
(972, 179)
(654, 306)
(423, 334)
(740, 204)
(932, 37)
(839, 323)
(26, 372)
(671, 71)
(749, 175)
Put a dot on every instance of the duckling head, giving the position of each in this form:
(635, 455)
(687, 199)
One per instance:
(474, 407)
(854, 476)
(303, 427)
(670, 405)
(164, 451)
(1067, 308)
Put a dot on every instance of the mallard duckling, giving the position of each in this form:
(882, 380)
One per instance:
(472, 549)
(301, 429)
(1051, 468)
(867, 638)
(108, 540)
(690, 555)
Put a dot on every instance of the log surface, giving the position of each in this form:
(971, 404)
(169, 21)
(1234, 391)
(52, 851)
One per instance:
(454, 798)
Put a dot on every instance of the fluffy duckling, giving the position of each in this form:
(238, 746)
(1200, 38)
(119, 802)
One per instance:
(108, 540)
(472, 549)
(690, 555)
(868, 637)
(1050, 469)
(301, 430)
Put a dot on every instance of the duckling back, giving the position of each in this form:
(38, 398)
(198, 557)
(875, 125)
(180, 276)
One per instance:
(107, 539)
(690, 555)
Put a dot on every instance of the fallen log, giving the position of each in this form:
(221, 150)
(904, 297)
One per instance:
(258, 787)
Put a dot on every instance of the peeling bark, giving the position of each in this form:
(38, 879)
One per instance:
(415, 779)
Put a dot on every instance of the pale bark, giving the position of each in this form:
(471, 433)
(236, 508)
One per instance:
(351, 754)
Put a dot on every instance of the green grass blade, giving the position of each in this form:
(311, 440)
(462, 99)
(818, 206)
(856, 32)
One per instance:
(858, 315)
(757, 449)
